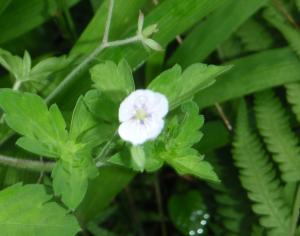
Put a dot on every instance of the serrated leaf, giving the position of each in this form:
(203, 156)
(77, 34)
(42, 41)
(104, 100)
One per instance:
(193, 165)
(258, 177)
(17, 66)
(41, 125)
(273, 124)
(180, 87)
(114, 81)
(180, 135)
(70, 179)
(26, 210)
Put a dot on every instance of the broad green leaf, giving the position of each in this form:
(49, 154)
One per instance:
(202, 41)
(93, 33)
(189, 213)
(26, 210)
(180, 87)
(114, 81)
(252, 73)
(24, 16)
(28, 115)
(4, 4)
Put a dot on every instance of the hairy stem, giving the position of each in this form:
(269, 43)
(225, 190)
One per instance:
(104, 44)
(108, 21)
(27, 164)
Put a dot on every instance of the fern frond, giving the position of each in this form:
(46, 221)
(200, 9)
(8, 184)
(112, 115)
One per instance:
(291, 34)
(273, 125)
(293, 97)
(228, 210)
(257, 230)
(254, 36)
(258, 177)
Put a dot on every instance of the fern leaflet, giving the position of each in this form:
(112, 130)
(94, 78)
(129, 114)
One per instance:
(293, 97)
(273, 125)
(258, 177)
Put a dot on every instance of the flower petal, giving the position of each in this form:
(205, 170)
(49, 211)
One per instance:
(137, 133)
(154, 103)
(158, 105)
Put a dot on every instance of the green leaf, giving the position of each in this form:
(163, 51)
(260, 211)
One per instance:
(258, 177)
(273, 124)
(70, 178)
(82, 119)
(193, 165)
(202, 41)
(180, 135)
(17, 66)
(177, 21)
(254, 36)
(97, 101)
(26, 210)
(114, 81)
(28, 115)
(4, 4)
(291, 34)
(181, 87)
(293, 97)
(189, 213)
(252, 73)
(24, 16)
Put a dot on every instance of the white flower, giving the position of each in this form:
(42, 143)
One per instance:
(141, 115)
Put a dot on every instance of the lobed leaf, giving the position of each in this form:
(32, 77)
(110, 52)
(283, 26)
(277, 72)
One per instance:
(27, 210)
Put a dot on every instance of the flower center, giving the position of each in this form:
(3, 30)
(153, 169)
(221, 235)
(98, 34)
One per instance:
(140, 114)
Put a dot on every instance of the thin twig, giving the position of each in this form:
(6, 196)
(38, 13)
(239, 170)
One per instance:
(27, 164)
(159, 205)
(296, 208)
(281, 8)
(102, 156)
(108, 22)
(224, 117)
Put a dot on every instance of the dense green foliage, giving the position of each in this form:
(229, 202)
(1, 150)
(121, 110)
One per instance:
(227, 160)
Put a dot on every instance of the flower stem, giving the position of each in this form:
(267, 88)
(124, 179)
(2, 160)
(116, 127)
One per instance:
(17, 85)
(27, 164)
(108, 21)
(104, 44)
